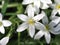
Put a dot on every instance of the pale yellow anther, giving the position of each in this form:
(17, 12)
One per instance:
(31, 21)
(0, 23)
(58, 6)
(47, 27)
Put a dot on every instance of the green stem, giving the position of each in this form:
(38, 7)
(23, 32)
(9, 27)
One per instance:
(18, 38)
(11, 5)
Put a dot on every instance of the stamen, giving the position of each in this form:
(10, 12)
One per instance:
(31, 21)
(0, 23)
(58, 6)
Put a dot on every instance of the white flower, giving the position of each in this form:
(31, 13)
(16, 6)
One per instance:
(29, 22)
(36, 4)
(56, 7)
(46, 28)
(3, 23)
(4, 41)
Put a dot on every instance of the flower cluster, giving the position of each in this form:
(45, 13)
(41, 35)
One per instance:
(34, 18)
(32, 21)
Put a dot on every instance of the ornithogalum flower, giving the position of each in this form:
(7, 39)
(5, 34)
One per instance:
(29, 22)
(56, 7)
(4, 41)
(3, 23)
(46, 28)
(36, 4)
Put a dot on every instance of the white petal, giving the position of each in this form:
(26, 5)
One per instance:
(47, 37)
(39, 26)
(57, 1)
(30, 10)
(6, 23)
(55, 32)
(53, 6)
(46, 1)
(0, 17)
(22, 17)
(4, 40)
(37, 3)
(27, 2)
(39, 35)
(57, 28)
(45, 19)
(44, 6)
(22, 27)
(54, 12)
(2, 30)
(58, 11)
(31, 30)
(54, 22)
(39, 16)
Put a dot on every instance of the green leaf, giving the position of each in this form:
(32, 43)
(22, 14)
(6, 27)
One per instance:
(4, 6)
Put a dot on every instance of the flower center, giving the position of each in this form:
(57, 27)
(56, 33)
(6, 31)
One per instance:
(0, 23)
(58, 6)
(47, 27)
(31, 21)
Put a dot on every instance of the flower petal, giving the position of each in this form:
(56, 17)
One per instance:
(57, 1)
(4, 40)
(47, 37)
(22, 27)
(58, 11)
(54, 22)
(55, 32)
(0, 17)
(57, 28)
(46, 1)
(45, 19)
(39, 35)
(6, 23)
(27, 2)
(31, 30)
(22, 17)
(30, 10)
(2, 30)
(54, 12)
(39, 16)
(37, 3)
(39, 26)
(44, 6)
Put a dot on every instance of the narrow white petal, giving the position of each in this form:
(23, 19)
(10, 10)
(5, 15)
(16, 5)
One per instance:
(45, 19)
(58, 11)
(37, 3)
(39, 26)
(46, 1)
(4, 40)
(57, 1)
(54, 22)
(47, 37)
(1, 17)
(55, 32)
(31, 30)
(39, 16)
(27, 2)
(30, 10)
(39, 35)
(22, 17)
(44, 6)
(6, 23)
(22, 27)
(2, 30)
(57, 28)
(53, 14)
